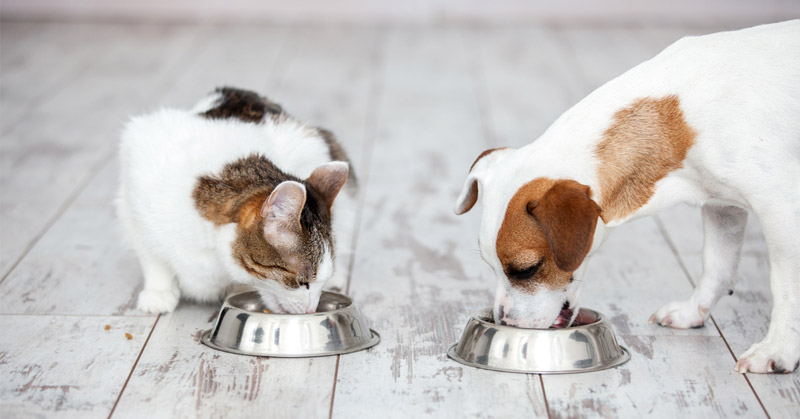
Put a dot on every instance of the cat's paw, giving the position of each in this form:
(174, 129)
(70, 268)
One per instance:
(158, 301)
(680, 315)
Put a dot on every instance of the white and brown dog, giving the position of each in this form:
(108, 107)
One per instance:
(712, 120)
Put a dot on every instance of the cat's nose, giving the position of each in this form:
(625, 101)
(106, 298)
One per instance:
(310, 311)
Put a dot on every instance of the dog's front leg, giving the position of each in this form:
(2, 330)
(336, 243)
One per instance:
(779, 351)
(724, 233)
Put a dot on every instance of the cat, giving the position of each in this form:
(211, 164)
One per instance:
(235, 191)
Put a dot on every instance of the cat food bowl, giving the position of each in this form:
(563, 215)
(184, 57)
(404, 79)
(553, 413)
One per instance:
(243, 327)
(590, 346)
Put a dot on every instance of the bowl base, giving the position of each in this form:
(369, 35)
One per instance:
(625, 357)
(374, 340)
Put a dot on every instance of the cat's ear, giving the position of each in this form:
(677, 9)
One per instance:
(281, 212)
(328, 179)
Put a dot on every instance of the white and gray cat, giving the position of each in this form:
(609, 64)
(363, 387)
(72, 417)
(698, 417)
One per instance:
(235, 191)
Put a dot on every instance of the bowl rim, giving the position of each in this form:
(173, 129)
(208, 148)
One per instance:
(484, 320)
(488, 320)
(351, 308)
(227, 305)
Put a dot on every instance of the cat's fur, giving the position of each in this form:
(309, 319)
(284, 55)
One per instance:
(235, 191)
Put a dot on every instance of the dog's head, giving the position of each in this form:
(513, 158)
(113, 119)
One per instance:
(535, 233)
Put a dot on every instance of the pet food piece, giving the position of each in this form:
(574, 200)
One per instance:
(108, 327)
(128, 336)
(266, 311)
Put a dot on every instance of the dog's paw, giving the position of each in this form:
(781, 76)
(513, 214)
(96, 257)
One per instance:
(158, 301)
(680, 315)
(770, 356)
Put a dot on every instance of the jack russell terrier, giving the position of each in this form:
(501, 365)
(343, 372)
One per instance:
(712, 120)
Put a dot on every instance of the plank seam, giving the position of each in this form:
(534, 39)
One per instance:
(333, 392)
(133, 368)
(544, 396)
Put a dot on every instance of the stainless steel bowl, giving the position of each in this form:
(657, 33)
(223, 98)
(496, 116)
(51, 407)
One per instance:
(243, 327)
(588, 347)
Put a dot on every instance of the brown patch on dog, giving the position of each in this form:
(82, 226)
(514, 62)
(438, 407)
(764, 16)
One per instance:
(237, 195)
(646, 142)
(241, 104)
(548, 221)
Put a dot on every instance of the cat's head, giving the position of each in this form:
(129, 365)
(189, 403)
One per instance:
(284, 240)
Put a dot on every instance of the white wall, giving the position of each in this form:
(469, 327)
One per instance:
(673, 11)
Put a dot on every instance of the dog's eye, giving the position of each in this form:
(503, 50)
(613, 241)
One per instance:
(524, 273)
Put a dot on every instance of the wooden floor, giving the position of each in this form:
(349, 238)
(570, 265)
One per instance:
(414, 106)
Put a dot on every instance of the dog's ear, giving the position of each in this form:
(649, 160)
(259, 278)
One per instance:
(568, 216)
(469, 192)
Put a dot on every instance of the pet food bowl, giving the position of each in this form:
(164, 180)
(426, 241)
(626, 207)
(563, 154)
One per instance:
(243, 327)
(590, 346)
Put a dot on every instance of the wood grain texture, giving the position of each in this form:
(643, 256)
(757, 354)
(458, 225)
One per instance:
(415, 275)
(678, 376)
(66, 366)
(82, 265)
(49, 155)
(179, 377)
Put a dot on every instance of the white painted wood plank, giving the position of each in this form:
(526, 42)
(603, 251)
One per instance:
(82, 265)
(179, 377)
(66, 366)
(329, 82)
(527, 82)
(48, 156)
(252, 57)
(603, 53)
(681, 377)
(37, 59)
(416, 276)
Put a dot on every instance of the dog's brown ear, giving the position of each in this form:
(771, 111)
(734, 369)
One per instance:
(469, 192)
(568, 216)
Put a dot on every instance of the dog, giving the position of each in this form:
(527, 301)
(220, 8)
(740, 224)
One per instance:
(712, 120)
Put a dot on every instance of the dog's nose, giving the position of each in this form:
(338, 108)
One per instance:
(565, 306)
(503, 323)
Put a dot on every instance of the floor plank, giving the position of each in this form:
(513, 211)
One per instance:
(66, 366)
(47, 158)
(414, 275)
(177, 377)
(681, 377)
(82, 265)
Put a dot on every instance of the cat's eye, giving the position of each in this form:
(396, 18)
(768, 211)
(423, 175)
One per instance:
(521, 274)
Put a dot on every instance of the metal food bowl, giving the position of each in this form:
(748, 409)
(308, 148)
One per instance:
(243, 327)
(590, 346)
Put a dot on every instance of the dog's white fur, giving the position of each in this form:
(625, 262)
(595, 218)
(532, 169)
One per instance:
(162, 155)
(740, 92)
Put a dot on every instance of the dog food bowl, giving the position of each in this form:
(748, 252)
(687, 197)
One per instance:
(243, 327)
(591, 346)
